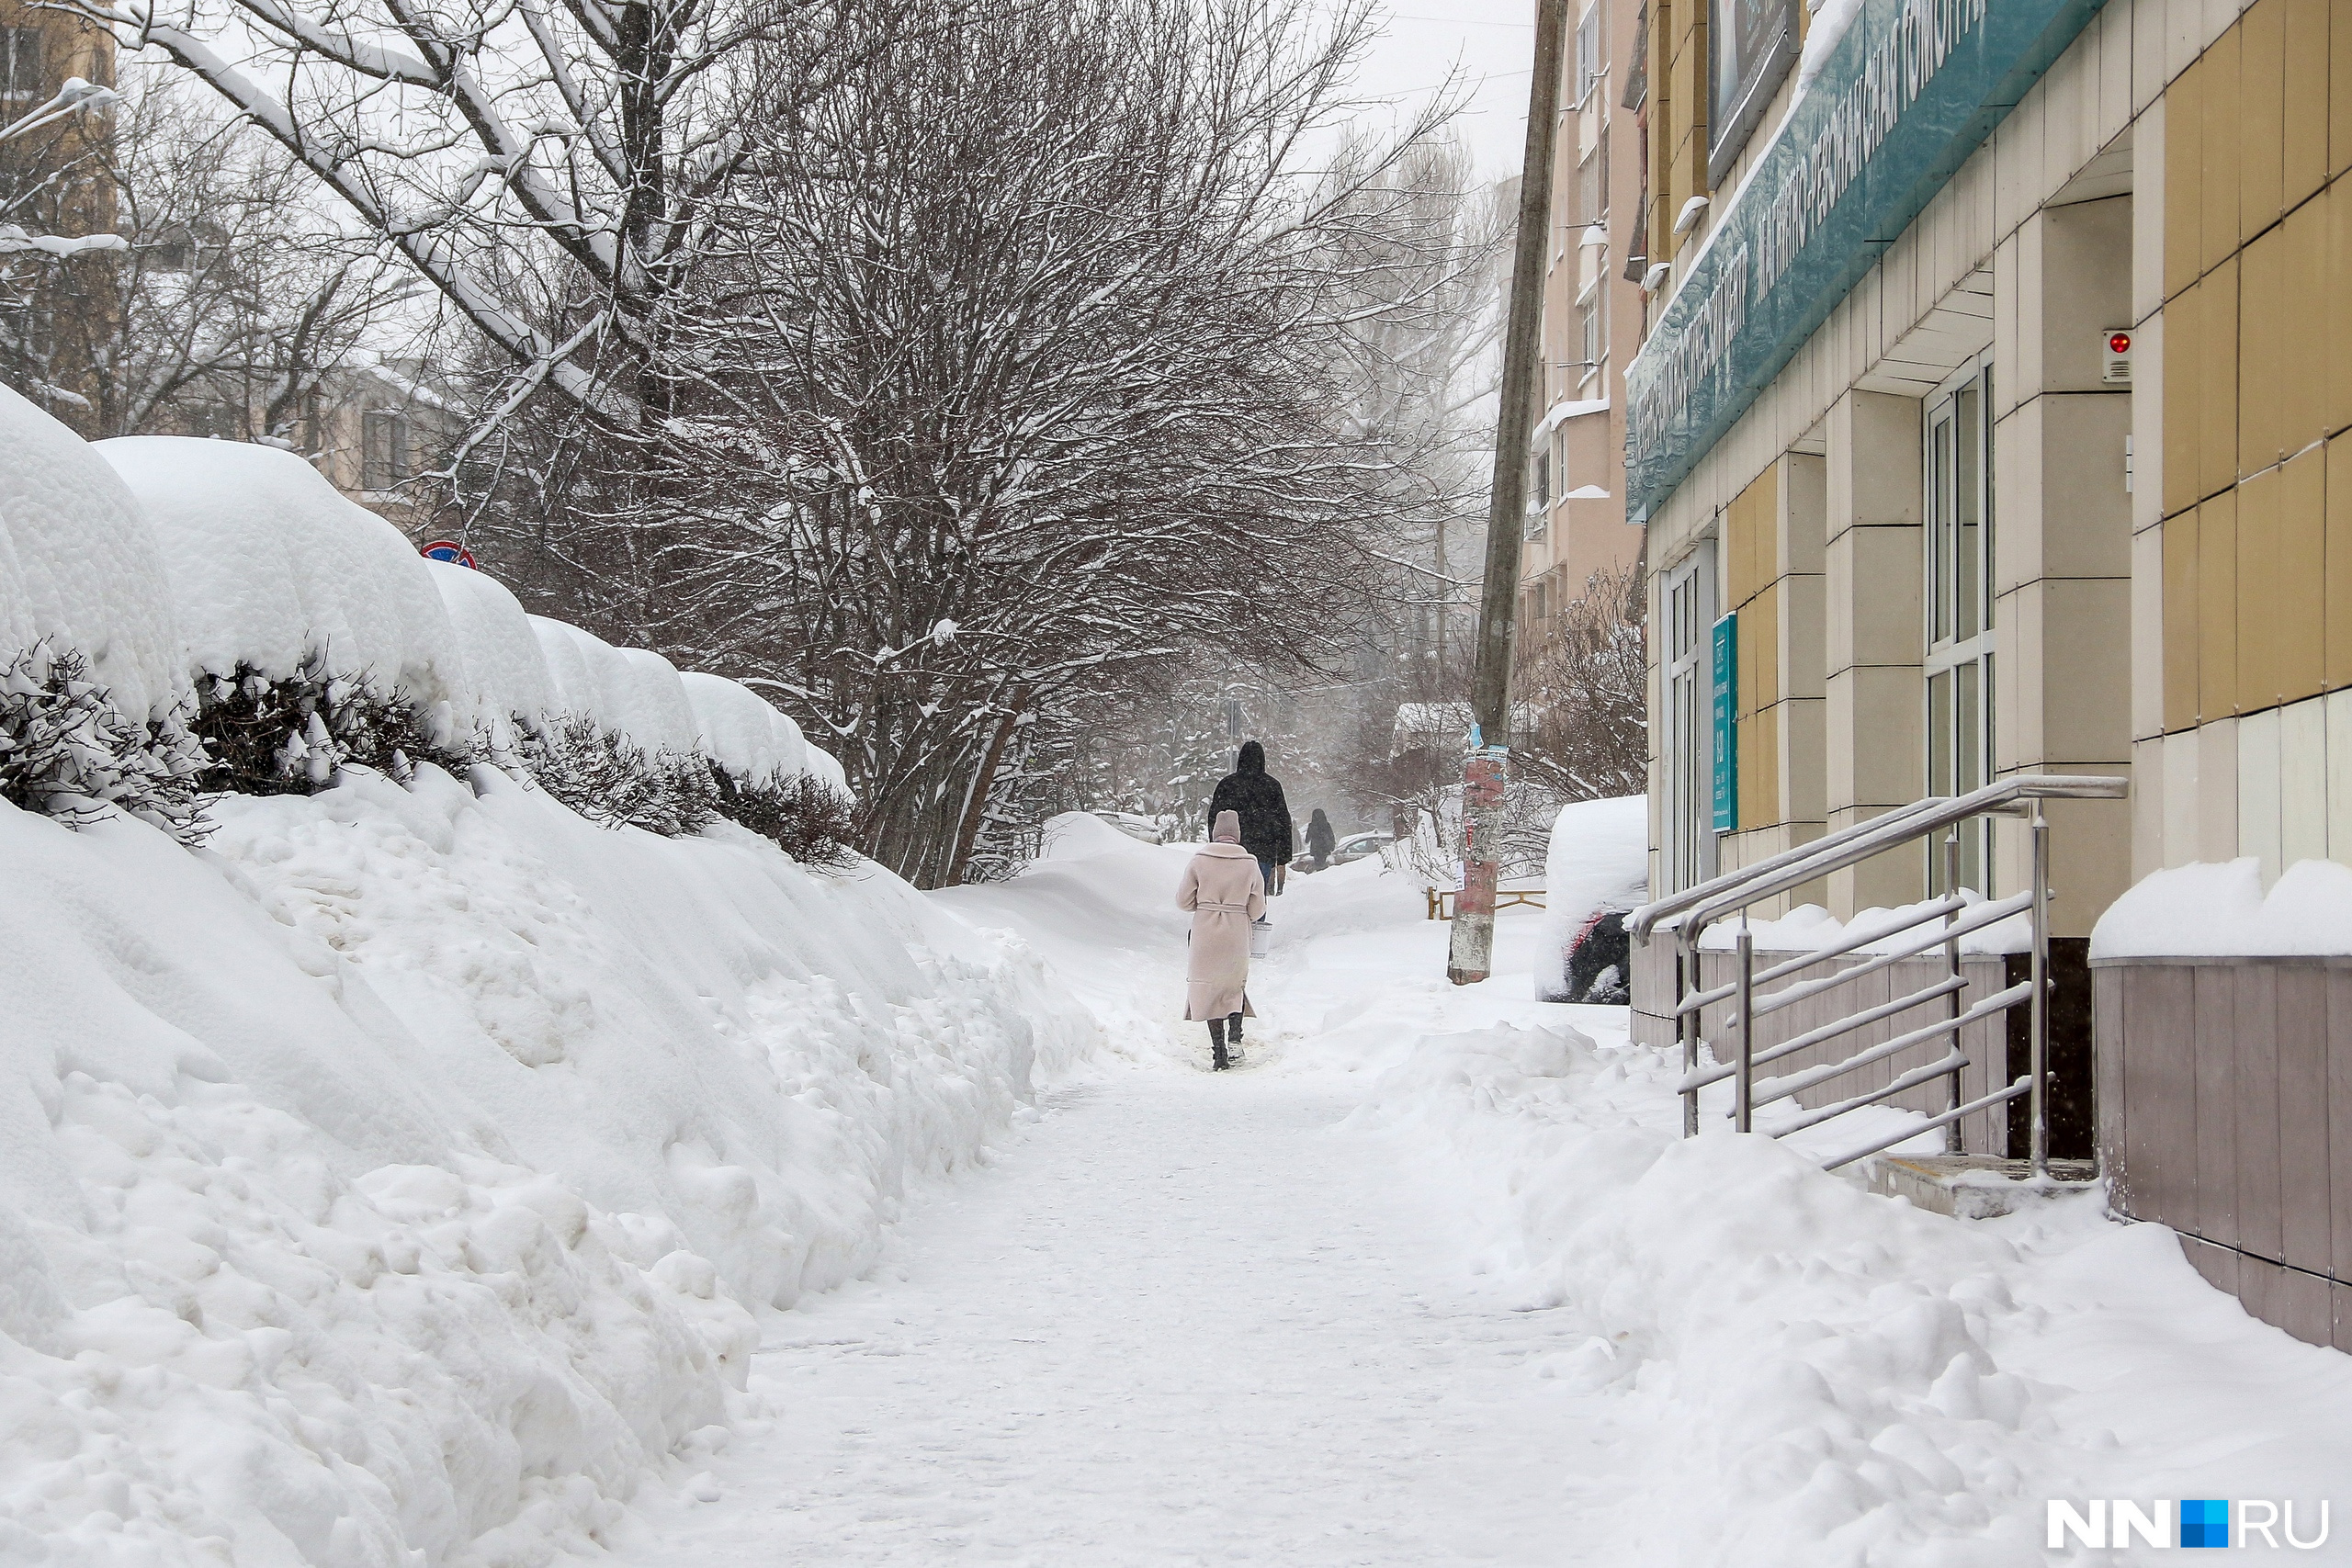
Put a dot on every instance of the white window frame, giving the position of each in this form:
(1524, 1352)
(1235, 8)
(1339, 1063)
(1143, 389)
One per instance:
(1687, 600)
(1589, 67)
(1957, 606)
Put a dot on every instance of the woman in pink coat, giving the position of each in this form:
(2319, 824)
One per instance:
(1225, 891)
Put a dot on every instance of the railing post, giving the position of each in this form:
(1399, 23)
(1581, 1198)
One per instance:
(1954, 1142)
(2038, 1096)
(1687, 980)
(1744, 999)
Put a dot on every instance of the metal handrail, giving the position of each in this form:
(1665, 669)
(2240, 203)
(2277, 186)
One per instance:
(1850, 846)
(1690, 912)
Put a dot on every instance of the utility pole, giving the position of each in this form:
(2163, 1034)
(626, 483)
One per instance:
(1471, 954)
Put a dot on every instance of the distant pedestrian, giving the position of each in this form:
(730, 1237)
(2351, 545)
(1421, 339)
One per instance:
(1256, 796)
(1319, 839)
(1224, 891)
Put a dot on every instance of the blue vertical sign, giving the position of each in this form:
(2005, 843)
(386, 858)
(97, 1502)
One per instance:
(1725, 746)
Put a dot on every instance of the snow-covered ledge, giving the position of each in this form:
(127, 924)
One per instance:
(2212, 911)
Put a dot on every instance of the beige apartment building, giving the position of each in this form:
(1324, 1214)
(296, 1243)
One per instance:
(1592, 319)
(1995, 419)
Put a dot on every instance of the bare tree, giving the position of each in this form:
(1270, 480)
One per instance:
(1586, 691)
(1022, 375)
(227, 297)
(577, 144)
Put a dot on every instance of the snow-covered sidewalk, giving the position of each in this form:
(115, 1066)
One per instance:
(1184, 1321)
(1436, 1280)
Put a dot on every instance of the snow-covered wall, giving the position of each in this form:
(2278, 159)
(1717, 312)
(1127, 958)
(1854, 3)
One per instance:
(396, 1179)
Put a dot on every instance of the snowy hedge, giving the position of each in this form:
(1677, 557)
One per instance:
(229, 590)
(395, 1182)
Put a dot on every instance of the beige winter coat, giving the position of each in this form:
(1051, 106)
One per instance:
(1225, 891)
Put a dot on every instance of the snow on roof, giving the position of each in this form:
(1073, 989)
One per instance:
(79, 563)
(267, 563)
(1561, 413)
(2219, 910)
(1599, 852)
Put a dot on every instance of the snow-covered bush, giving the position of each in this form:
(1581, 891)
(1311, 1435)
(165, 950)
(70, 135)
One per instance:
(79, 566)
(804, 816)
(612, 780)
(67, 752)
(270, 570)
(502, 653)
(292, 734)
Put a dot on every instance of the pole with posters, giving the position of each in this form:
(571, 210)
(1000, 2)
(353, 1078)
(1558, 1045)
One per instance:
(1471, 955)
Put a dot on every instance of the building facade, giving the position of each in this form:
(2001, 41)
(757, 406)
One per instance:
(54, 183)
(1994, 420)
(1592, 321)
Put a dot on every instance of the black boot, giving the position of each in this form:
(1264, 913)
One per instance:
(1233, 1037)
(1216, 1045)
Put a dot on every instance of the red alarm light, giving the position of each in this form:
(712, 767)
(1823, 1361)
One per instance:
(2119, 343)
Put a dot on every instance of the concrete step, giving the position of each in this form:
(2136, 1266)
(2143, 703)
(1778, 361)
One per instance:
(1973, 1187)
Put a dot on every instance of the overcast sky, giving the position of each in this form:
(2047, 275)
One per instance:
(1490, 40)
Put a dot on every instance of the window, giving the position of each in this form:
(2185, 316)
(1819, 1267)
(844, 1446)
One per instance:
(383, 443)
(1959, 667)
(1587, 54)
(1538, 492)
(216, 422)
(1594, 338)
(1688, 608)
(20, 62)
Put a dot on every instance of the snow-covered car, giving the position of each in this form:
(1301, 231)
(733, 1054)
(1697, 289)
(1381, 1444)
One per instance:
(1359, 846)
(1146, 828)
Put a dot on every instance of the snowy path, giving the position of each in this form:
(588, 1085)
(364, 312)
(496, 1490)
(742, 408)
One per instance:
(1182, 1322)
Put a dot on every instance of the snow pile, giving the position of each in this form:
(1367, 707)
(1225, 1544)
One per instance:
(1803, 1373)
(268, 565)
(399, 1175)
(396, 1180)
(2219, 910)
(78, 566)
(161, 557)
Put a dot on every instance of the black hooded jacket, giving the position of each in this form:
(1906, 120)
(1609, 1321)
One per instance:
(1257, 796)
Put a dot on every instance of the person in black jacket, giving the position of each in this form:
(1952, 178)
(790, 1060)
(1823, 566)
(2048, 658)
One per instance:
(1257, 795)
(1321, 840)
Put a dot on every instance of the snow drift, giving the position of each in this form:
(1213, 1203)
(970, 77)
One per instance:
(1800, 1373)
(396, 1179)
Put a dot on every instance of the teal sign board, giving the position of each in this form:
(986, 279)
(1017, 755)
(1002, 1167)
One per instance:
(1726, 738)
(1910, 90)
